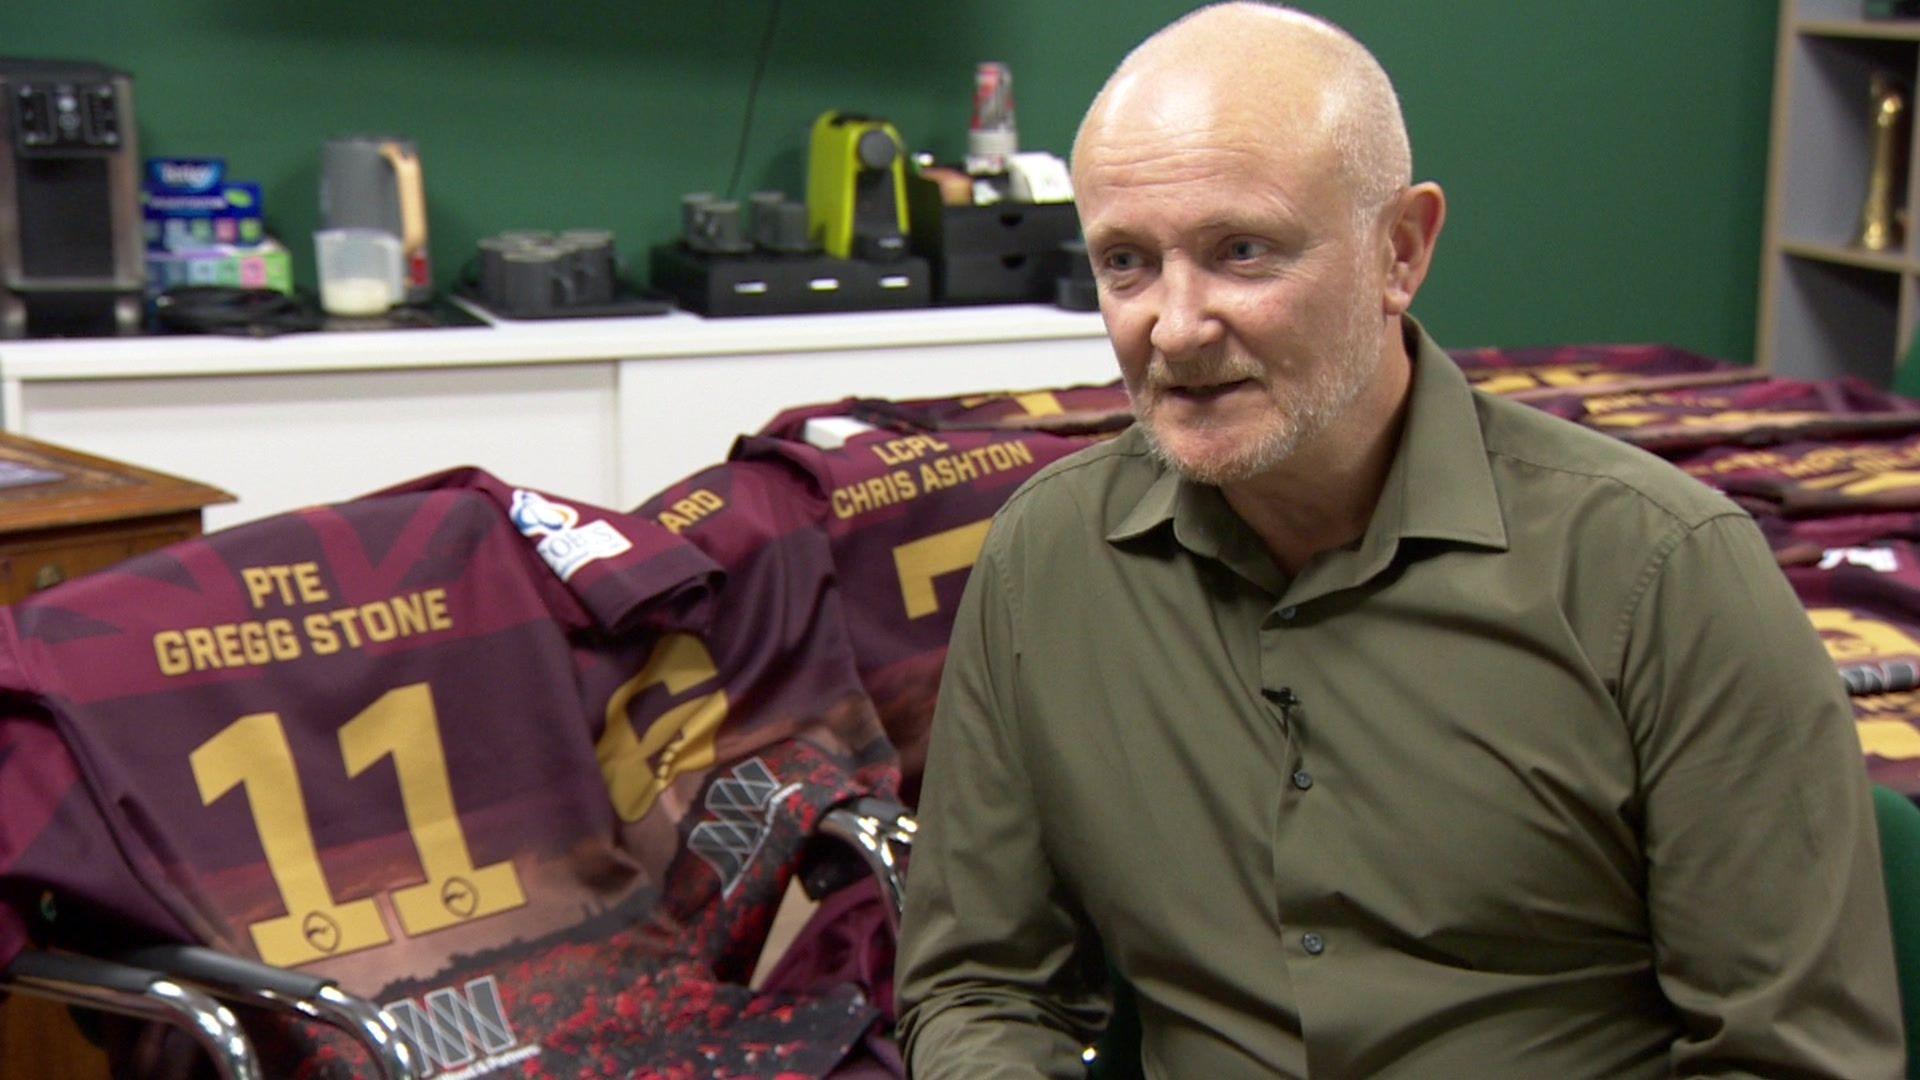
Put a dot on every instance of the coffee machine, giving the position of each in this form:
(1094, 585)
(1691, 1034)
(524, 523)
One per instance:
(71, 252)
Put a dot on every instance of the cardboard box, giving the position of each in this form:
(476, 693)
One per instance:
(266, 265)
(188, 205)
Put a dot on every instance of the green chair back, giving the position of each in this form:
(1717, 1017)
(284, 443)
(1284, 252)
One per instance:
(1117, 1053)
(1900, 859)
(1906, 373)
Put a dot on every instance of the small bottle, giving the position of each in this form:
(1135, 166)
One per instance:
(992, 137)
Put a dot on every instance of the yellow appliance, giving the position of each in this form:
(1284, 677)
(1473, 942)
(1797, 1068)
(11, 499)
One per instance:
(857, 187)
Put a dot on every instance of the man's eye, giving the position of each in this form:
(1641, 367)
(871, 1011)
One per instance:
(1244, 249)
(1118, 262)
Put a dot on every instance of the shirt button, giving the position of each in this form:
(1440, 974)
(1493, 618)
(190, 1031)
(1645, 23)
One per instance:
(1302, 779)
(1313, 943)
(1289, 612)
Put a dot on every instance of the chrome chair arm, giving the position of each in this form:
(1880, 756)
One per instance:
(879, 830)
(133, 991)
(237, 979)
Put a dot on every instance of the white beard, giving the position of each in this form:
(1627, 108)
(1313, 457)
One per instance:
(1321, 399)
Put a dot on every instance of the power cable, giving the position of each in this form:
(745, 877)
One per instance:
(753, 93)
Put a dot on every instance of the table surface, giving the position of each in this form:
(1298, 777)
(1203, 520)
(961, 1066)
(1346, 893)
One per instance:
(89, 489)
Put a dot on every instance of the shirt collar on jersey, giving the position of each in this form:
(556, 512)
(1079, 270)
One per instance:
(1439, 487)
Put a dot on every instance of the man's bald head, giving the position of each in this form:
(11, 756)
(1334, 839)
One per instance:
(1291, 74)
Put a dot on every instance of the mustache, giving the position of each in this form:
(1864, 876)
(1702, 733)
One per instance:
(1209, 371)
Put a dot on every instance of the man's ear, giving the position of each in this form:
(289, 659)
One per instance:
(1412, 229)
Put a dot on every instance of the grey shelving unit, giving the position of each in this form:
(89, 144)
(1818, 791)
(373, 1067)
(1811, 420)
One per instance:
(1828, 307)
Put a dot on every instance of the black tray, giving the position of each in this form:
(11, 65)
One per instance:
(768, 284)
(626, 302)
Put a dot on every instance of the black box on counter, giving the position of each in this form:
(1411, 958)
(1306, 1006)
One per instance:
(771, 284)
(1008, 252)
(998, 279)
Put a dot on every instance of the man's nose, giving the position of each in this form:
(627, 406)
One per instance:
(1186, 321)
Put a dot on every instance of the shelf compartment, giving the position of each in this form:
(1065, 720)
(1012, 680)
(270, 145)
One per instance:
(1815, 16)
(1835, 319)
(1870, 29)
(1829, 136)
(1847, 255)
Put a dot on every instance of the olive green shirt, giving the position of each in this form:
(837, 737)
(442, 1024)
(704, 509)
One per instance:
(1548, 775)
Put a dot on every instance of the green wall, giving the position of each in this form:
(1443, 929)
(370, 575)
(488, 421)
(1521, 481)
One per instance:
(1605, 161)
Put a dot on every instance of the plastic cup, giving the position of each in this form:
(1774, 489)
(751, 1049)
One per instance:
(361, 271)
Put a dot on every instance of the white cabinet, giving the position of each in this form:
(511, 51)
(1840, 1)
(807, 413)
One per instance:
(604, 410)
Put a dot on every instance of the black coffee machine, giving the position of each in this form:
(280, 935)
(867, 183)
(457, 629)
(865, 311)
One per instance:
(71, 253)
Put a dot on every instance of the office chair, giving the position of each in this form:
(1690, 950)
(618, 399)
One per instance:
(1899, 821)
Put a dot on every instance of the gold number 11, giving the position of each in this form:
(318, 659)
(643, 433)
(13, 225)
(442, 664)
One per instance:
(253, 752)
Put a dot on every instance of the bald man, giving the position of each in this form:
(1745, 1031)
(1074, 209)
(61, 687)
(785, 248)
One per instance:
(1366, 725)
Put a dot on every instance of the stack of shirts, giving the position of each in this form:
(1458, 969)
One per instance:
(1829, 468)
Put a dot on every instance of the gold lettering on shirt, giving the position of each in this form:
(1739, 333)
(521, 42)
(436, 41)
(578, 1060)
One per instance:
(873, 493)
(1848, 636)
(1894, 740)
(639, 767)
(255, 643)
(918, 562)
(243, 644)
(697, 504)
(907, 448)
(1875, 483)
(286, 585)
(951, 469)
(1513, 380)
(1826, 467)
(1033, 402)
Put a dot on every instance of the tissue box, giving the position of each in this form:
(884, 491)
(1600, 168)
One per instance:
(187, 204)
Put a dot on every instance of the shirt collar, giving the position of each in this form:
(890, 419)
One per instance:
(1441, 482)
(1438, 487)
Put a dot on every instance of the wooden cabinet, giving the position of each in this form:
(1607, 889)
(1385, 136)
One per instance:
(64, 513)
(41, 1039)
(1829, 305)
(74, 514)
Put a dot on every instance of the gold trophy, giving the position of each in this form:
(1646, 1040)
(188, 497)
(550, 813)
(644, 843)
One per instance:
(1882, 220)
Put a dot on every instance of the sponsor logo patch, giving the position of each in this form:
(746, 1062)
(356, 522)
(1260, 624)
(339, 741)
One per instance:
(564, 543)
(742, 804)
(459, 1032)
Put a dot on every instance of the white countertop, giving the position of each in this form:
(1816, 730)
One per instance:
(676, 334)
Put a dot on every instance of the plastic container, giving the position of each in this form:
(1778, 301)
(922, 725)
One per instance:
(361, 272)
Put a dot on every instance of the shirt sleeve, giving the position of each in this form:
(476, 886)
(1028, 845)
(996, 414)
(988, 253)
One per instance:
(1764, 886)
(996, 975)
